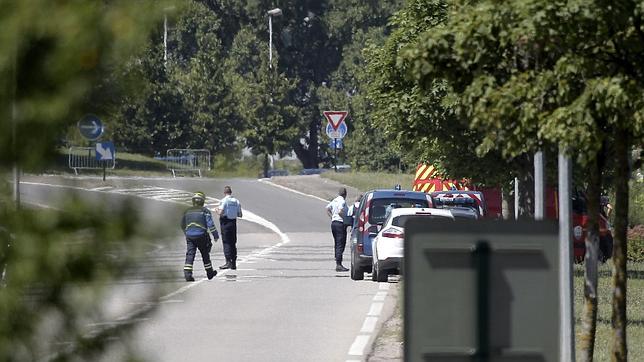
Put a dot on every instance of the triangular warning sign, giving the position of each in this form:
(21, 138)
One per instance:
(335, 118)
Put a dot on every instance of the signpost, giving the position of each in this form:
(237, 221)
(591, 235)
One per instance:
(336, 129)
(336, 143)
(105, 151)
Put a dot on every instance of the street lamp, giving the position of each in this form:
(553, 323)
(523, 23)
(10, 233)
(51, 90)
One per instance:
(271, 13)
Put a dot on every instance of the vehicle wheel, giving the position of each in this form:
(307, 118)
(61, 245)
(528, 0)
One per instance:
(381, 274)
(356, 271)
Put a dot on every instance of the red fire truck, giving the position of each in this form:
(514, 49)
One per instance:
(489, 201)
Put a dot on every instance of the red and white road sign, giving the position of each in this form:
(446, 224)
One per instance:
(335, 117)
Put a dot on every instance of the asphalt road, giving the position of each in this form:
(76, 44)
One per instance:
(284, 303)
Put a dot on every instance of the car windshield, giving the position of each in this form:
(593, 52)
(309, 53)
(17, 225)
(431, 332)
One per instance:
(402, 219)
(380, 208)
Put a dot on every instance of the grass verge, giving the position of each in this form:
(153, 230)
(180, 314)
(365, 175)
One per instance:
(634, 310)
(365, 181)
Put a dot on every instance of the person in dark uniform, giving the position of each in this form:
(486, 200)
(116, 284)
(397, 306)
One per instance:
(336, 210)
(229, 210)
(196, 224)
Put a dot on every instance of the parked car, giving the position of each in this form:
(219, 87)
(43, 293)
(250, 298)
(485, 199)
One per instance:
(461, 198)
(312, 171)
(388, 244)
(370, 216)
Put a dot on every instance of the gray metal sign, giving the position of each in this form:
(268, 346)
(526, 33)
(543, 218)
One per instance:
(481, 291)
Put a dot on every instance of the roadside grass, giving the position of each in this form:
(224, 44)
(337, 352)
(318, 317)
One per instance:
(365, 181)
(634, 310)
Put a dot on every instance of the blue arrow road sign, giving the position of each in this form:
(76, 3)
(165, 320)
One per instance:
(340, 132)
(335, 143)
(105, 151)
(90, 127)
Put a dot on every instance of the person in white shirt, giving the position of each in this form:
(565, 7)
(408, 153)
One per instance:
(229, 210)
(336, 210)
(351, 212)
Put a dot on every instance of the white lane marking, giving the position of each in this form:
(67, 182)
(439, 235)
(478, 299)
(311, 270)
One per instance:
(291, 190)
(383, 286)
(380, 296)
(358, 346)
(248, 215)
(183, 289)
(42, 206)
(376, 309)
(369, 325)
(103, 188)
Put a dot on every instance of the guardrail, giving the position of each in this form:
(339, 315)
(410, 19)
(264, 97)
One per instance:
(186, 160)
(85, 158)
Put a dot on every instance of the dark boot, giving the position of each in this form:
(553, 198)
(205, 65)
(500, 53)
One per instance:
(340, 268)
(227, 265)
(188, 277)
(233, 265)
(210, 272)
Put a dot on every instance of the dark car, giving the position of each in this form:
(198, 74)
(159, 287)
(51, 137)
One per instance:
(370, 216)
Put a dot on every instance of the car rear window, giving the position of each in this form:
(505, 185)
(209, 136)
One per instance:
(402, 219)
(380, 207)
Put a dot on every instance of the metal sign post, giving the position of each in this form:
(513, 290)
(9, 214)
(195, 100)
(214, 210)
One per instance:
(105, 152)
(567, 325)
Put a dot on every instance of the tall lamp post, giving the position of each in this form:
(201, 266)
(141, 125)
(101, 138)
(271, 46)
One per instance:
(271, 13)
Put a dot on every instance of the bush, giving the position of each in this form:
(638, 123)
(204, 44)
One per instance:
(636, 204)
(636, 243)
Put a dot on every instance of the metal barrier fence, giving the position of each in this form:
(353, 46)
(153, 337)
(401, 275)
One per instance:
(85, 158)
(187, 160)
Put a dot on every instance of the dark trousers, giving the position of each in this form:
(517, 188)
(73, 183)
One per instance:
(229, 238)
(340, 237)
(204, 245)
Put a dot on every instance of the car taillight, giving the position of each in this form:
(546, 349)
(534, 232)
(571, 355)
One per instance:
(363, 216)
(393, 233)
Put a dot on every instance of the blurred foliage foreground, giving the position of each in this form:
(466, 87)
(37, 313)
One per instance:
(56, 265)
(57, 268)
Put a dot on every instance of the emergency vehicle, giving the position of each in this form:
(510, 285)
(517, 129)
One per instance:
(489, 202)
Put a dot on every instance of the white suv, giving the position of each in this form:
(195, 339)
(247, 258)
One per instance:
(388, 245)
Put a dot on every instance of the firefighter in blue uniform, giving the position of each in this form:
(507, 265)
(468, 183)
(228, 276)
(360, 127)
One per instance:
(196, 224)
(229, 210)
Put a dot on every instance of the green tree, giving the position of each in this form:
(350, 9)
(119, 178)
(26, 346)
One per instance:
(52, 55)
(261, 95)
(565, 73)
(186, 103)
(421, 121)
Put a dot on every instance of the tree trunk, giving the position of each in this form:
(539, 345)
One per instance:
(308, 154)
(622, 176)
(265, 165)
(589, 311)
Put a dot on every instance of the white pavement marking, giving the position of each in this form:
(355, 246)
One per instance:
(291, 190)
(358, 346)
(376, 309)
(380, 296)
(369, 325)
(384, 286)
